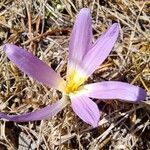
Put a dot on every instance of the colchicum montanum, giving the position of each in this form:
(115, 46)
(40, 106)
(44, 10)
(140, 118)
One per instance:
(84, 58)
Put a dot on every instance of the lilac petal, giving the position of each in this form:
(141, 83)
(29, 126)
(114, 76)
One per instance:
(33, 66)
(114, 90)
(81, 38)
(86, 109)
(41, 114)
(100, 51)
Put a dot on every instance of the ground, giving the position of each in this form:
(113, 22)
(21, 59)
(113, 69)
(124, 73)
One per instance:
(43, 27)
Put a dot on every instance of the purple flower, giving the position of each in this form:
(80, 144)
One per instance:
(84, 59)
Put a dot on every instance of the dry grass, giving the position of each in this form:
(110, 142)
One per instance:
(43, 27)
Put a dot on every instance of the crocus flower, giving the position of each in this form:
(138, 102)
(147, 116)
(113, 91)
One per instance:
(84, 58)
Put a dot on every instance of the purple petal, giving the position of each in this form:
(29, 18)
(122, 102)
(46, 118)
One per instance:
(81, 38)
(86, 109)
(114, 90)
(100, 51)
(41, 114)
(33, 66)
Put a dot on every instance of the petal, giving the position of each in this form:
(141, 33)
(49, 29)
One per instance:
(100, 51)
(86, 109)
(81, 38)
(41, 114)
(33, 66)
(114, 90)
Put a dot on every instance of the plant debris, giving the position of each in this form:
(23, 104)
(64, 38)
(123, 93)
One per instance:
(43, 27)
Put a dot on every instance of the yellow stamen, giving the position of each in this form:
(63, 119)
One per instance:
(75, 80)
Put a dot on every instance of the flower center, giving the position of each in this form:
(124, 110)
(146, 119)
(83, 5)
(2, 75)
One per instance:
(74, 81)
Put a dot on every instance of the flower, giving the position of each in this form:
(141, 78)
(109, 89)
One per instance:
(84, 59)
